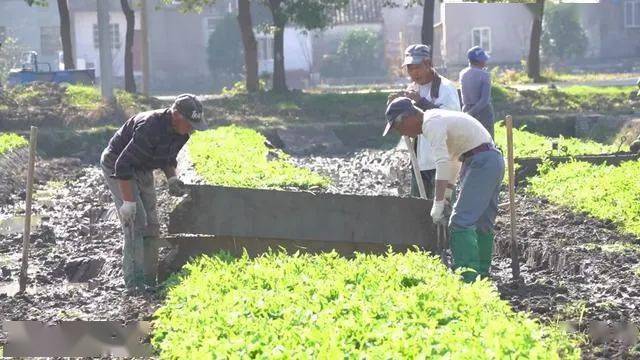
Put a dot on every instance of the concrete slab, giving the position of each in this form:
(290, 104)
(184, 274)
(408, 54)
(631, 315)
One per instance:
(330, 219)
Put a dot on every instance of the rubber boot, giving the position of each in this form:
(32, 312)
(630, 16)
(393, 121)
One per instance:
(485, 252)
(150, 266)
(464, 248)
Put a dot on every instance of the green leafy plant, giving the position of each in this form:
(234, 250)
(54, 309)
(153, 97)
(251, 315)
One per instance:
(235, 156)
(400, 306)
(10, 141)
(527, 144)
(563, 37)
(360, 53)
(603, 191)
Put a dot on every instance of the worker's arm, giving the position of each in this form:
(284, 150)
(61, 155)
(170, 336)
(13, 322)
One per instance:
(134, 155)
(485, 95)
(441, 189)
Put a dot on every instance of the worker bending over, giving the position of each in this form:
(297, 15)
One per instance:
(456, 136)
(147, 141)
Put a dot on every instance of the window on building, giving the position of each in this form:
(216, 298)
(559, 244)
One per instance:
(265, 47)
(632, 13)
(209, 27)
(50, 40)
(114, 31)
(481, 37)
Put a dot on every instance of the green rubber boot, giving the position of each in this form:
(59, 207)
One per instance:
(464, 248)
(485, 252)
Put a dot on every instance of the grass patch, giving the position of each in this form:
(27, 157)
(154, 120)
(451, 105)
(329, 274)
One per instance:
(299, 107)
(605, 192)
(10, 141)
(238, 157)
(527, 144)
(83, 96)
(328, 307)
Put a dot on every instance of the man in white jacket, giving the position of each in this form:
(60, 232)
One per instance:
(455, 136)
(429, 90)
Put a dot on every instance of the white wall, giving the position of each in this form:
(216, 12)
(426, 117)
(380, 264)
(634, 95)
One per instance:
(298, 54)
(85, 50)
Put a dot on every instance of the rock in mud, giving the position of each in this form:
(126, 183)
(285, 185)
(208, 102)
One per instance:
(83, 269)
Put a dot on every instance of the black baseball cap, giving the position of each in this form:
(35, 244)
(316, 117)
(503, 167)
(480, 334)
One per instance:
(191, 108)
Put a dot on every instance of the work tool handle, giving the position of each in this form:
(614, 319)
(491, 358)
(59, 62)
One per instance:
(33, 139)
(416, 169)
(515, 255)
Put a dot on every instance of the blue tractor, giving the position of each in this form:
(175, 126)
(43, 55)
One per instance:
(31, 70)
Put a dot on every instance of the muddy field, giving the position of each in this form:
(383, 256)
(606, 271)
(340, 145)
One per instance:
(75, 260)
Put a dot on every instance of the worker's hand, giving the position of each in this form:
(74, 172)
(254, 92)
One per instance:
(176, 186)
(413, 95)
(128, 212)
(437, 211)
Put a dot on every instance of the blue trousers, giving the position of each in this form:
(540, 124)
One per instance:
(476, 206)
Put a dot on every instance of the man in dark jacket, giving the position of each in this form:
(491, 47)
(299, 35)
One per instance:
(147, 141)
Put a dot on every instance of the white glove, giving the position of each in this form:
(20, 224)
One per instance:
(448, 193)
(437, 211)
(176, 186)
(128, 212)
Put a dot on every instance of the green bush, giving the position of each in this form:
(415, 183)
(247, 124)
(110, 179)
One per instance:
(397, 306)
(235, 156)
(10, 141)
(605, 192)
(563, 37)
(83, 96)
(360, 53)
(225, 54)
(526, 144)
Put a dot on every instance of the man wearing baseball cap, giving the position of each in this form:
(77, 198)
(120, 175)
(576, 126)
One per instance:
(429, 90)
(456, 137)
(476, 88)
(147, 141)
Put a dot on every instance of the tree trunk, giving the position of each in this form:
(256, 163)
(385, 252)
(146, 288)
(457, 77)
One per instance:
(130, 16)
(279, 22)
(533, 64)
(65, 35)
(427, 23)
(250, 45)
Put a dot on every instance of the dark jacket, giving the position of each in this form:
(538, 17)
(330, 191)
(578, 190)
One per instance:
(146, 141)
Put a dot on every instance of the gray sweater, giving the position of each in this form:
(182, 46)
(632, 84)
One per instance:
(476, 90)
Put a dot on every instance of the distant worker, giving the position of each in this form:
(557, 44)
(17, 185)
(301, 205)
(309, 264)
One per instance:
(147, 141)
(453, 137)
(476, 88)
(429, 90)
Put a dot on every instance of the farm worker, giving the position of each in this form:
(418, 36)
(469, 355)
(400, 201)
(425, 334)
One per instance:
(429, 90)
(147, 141)
(456, 137)
(476, 88)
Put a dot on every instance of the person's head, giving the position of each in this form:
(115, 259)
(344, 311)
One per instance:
(417, 60)
(404, 117)
(477, 56)
(186, 114)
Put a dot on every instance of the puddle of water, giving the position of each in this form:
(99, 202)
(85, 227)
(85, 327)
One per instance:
(15, 224)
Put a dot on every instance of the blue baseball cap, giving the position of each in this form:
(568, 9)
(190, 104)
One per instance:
(416, 54)
(398, 108)
(477, 54)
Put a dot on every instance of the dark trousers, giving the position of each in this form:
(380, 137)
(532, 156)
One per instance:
(429, 180)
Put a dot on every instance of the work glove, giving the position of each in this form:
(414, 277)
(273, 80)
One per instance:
(128, 212)
(176, 186)
(437, 211)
